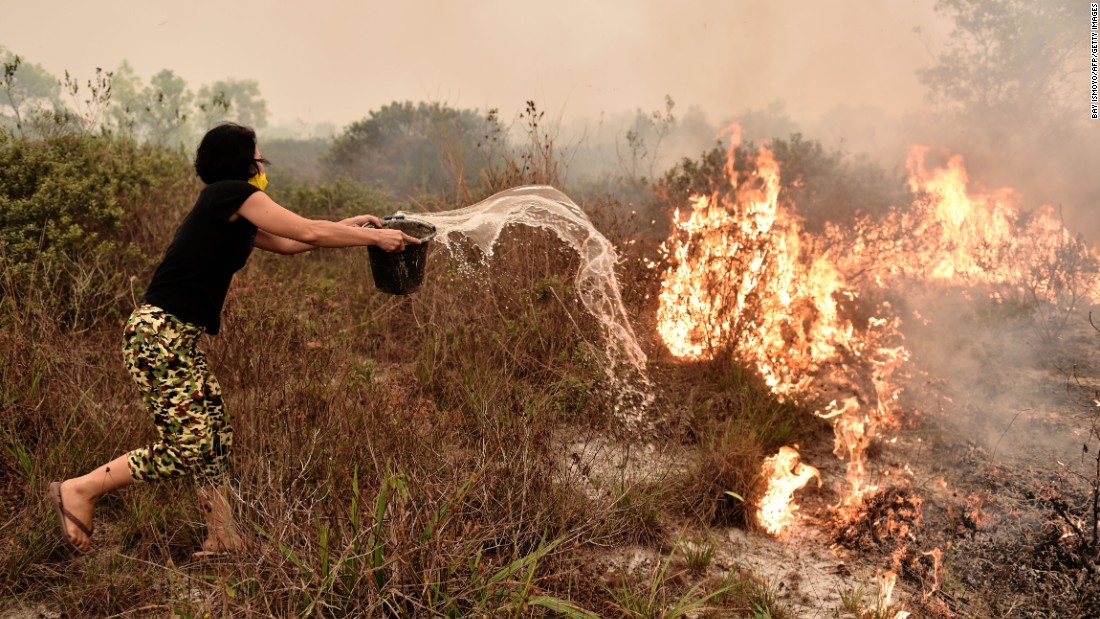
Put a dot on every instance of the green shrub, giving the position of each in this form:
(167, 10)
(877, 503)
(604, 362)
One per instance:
(413, 149)
(65, 206)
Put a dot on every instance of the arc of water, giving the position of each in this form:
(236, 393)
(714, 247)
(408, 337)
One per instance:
(542, 206)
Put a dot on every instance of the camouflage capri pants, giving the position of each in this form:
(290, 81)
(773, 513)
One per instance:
(185, 400)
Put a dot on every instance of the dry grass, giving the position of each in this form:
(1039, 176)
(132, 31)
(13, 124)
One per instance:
(393, 456)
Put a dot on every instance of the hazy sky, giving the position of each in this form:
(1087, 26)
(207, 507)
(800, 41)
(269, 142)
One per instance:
(335, 60)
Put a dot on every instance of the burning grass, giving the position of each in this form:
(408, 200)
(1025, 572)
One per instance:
(458, 452)
(394, 455)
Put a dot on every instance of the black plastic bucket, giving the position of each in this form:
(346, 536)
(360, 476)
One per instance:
(402, 272)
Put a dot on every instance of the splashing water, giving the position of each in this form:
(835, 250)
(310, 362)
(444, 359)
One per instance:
(541, 206)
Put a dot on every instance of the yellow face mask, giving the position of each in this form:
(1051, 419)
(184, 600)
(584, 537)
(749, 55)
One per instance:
(260, 181)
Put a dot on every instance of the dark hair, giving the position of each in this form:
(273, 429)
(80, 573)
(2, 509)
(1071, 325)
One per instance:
(226, 152)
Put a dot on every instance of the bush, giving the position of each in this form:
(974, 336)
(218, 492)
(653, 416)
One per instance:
(65, 206)
(824, 186)
(413, 149)
(296, 159)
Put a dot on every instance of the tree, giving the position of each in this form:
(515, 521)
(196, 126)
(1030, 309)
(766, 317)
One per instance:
(90, 104)
(643, 142)
(157, 112)
(1009, 64)
(407, 148)
(167, 108)
(237, 100)
(126, 89)
(26, 88)
(1010, 86)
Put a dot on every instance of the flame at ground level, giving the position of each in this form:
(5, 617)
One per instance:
(786, 474)
(743, 278)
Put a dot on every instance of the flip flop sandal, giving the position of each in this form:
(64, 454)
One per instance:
(64, 514)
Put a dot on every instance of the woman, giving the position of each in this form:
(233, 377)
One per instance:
(185, 297)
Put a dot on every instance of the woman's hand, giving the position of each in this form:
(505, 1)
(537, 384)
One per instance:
(268, 216)
(392, 240)
(361, 220)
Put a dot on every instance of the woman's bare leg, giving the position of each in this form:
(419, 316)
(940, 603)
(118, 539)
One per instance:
(79, 495)
(217, 513)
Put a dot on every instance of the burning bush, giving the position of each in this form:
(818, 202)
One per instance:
(828, 186)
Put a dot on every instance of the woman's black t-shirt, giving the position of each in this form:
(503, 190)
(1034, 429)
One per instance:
(193, 279)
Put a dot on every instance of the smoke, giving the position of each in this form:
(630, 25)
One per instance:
(994, 371)
(988, 378)
(847, 74)
(1006, 366)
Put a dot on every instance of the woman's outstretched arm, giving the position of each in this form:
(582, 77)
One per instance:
(269, 217)
(281, 245)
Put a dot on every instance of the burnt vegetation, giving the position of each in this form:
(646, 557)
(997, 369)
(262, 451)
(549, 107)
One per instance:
(397, 456)
(442, 454)
(459, 452)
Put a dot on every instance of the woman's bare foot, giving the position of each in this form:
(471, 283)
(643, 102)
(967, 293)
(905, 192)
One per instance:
(78, 506)
(78, 497)
(221, 531)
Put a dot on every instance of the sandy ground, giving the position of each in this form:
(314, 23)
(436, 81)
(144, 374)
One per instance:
(967, 494)
(964, 494)
(806, 569)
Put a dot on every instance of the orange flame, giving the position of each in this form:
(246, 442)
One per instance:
(741, 278)
(853, 436)
(786, 475)
(739, 275)
(960, 237)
